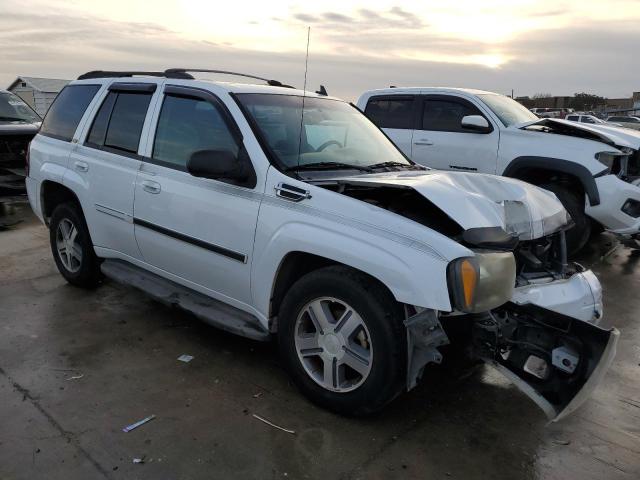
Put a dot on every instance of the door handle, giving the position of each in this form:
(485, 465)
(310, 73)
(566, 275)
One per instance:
(423, 141)
(151, 187)
(291, 192)
(81, 166)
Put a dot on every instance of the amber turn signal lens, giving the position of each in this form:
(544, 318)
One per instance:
(469, 281)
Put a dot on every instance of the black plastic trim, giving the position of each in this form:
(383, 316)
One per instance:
(133, 87)
(558, 165)
(240, 257)
(490, 237)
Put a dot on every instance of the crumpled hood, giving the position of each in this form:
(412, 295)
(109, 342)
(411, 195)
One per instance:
(475, 200)
(611, 135)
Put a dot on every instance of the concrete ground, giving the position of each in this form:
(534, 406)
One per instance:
(78, 366)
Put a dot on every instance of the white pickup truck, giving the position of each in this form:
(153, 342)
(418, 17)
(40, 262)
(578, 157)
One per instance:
(272, 212)
(593, 169)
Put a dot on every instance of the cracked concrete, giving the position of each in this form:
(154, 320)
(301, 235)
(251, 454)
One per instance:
(125, 347)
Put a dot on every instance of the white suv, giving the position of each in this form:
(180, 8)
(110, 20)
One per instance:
(268, 211)
(593, 169)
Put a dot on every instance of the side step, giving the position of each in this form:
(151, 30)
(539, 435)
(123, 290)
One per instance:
(213, 312)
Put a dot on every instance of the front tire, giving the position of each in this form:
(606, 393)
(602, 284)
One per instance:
(72, 248)
(342, 339)
(573, 202)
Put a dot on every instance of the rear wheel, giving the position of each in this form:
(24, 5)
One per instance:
(573, 202)
(72, 247)
(342, 339)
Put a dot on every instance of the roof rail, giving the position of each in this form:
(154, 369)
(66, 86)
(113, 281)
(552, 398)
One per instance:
(273, 83)
(181, 73)
(117, 74)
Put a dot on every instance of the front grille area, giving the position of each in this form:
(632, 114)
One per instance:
(13, 150)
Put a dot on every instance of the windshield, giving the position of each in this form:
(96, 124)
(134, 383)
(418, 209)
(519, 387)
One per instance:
(13, 108)
(333, 132)
(507, 110)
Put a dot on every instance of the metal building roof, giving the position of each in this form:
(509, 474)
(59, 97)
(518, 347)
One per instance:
(49, 85)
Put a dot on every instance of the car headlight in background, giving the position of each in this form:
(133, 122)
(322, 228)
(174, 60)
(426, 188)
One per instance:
(482, 282)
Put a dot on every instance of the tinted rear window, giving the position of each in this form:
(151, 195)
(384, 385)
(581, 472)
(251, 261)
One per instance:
(64, 115)
(391, 112)
(126, 121)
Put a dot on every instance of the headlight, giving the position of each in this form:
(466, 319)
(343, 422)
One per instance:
(612, 160)
(483, 282)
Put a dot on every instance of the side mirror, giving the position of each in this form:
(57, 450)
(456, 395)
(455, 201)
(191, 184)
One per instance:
(217, 164)
(477, 123)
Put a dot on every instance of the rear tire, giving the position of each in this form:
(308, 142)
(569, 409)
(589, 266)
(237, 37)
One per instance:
(72, 248)
(354, 366)
(578, 235)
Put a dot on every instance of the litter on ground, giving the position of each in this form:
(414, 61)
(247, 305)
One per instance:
(137, 424)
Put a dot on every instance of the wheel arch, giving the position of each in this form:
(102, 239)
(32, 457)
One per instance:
(52, 194)
(539, 170)
(293, 266)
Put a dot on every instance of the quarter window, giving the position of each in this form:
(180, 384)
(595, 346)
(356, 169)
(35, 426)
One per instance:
(391, 112)
(187, 125)
(446, 115)
(67, 110)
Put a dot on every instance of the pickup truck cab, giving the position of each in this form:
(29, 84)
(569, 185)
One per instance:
(593, 169)
(273, 212)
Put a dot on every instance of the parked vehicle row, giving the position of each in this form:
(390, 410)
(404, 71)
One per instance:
(273, 212)
(593, 169)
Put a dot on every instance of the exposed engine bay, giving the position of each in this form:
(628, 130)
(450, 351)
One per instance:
(13, 155)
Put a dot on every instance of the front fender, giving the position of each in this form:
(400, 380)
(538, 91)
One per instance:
(412, 276)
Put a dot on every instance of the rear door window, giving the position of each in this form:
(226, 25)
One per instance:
(445, 114)
(67, 110)
(187, 125)
(118, 124)
(391, 112)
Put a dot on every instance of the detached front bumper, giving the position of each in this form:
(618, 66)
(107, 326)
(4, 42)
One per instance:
(614, 193)
(548, 343)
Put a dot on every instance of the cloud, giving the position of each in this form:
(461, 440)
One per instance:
(592, 57)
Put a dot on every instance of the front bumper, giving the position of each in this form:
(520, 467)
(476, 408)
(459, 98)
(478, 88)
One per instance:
(579, 296)
(540, 321)
(614, 192)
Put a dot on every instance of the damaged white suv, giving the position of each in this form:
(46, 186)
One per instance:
(593, 169)
(268, 211)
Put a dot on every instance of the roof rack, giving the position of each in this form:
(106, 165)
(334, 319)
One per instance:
(181, 73)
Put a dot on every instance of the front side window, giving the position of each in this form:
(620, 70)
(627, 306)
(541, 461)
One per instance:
(187, 125)
(332, 132)
(508, 110)
(118, 124)
(14, 109)
(446, 115)
(67, 110)
(391, 112)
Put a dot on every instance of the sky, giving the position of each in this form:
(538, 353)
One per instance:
(559, 47)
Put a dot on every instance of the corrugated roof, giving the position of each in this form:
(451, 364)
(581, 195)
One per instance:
(51, 85)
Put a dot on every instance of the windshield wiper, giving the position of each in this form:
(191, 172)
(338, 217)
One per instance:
(393, 164)
(328, 166)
